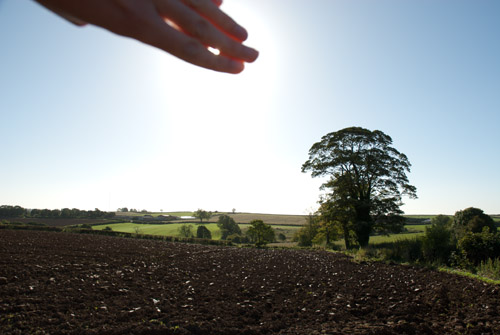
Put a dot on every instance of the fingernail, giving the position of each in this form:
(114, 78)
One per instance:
(251, 54)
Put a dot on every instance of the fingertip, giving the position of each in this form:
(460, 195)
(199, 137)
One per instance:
(235, 67)
(251, 55)
(240, 33)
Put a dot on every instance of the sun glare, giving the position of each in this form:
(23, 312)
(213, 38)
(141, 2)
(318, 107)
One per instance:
(214, 50)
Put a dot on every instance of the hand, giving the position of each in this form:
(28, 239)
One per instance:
(183, 28)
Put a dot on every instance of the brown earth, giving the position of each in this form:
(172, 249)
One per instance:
(56, 222)
(60, 283)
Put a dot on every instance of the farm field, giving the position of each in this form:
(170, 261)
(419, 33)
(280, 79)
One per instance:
(172, 229)
(61, 283)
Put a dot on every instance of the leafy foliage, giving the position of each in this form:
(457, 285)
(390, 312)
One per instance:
(437, 244)
(203, 232)
(367, 180)
(472, 220)
(74, 213)
(202, 214)
(305, 236)
(237, 238)
(478, 247)
(227, 226)
(260, 233)
(186, 230)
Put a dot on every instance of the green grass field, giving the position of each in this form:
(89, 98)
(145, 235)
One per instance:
(154, 214)
(157, 229)
(172, 229)
(289, 231)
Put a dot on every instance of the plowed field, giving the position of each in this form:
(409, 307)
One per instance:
(59, 283)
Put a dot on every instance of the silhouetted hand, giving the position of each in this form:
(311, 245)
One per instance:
(183, 28)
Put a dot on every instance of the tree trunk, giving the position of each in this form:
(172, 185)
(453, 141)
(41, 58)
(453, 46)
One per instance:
(363, 225)
(346, 237)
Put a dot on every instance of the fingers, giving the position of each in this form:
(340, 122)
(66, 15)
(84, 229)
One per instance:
(203, 30)
(191, 50)
(211, 11)
(217, 2)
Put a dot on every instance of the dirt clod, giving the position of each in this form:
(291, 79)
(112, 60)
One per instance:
(59, 283)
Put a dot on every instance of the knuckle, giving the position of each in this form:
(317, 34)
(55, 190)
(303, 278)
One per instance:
(192, 50)
(201, 28)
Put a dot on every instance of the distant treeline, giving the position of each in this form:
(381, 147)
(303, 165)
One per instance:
(65, 213)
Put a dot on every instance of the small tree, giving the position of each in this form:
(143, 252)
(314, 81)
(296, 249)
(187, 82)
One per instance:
(472, 220)
(186, 230)
(203, 232)
(477, 247)
(260, 233)
(307, 233)
(202, 214)
(437, 244)
(228, 226)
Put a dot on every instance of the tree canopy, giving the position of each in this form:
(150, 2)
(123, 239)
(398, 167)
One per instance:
(228, 226)
(202, 214)
(472, 220)
(260, 233)
(203, 232)
(367, 180)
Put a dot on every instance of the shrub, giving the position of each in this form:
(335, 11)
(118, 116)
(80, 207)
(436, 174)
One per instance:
(305, 236)
(228, 226)
(478, 247)
(108, 228)
(489, 268)
(260, 233)
(203, 232)
(437, 244)
(238, 239)
(186, 230)
(406, 251)
(472, 220)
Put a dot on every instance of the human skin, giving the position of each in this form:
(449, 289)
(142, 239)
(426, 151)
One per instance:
(183, 28)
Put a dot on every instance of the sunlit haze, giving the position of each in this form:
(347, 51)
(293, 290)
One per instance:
(92, 120)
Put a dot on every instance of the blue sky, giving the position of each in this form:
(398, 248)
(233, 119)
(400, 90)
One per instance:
(89, 119)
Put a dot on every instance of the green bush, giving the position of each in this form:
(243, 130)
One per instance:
(437, 244)
(490, 268)
(260, 233)
(472, 220)
(238, 239)
(186, 230)
(405, 251)
(227, 226)
(203, 232)
(477, 247)
(305, 236)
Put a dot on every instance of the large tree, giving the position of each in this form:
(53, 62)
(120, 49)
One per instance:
(202, 214)
(367, 179)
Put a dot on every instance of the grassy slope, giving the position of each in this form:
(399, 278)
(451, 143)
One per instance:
(272, 219)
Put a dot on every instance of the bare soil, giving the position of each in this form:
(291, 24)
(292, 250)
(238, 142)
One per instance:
(60, 283)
